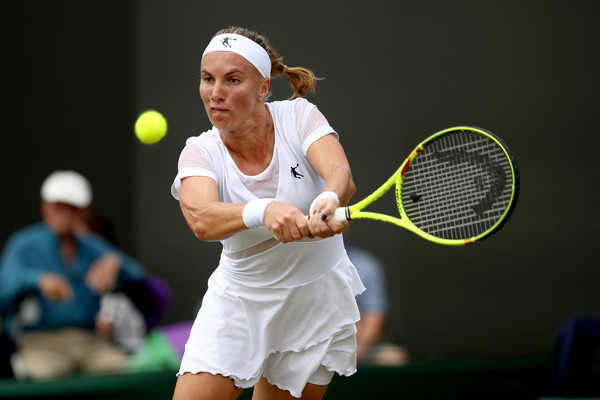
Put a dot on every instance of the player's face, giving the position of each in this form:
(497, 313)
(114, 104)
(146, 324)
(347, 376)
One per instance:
(230, 88)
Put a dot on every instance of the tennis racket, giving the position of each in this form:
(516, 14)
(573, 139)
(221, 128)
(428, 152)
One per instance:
(457, 187)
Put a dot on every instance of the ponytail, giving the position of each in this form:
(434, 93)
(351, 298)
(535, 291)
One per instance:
(301, 80)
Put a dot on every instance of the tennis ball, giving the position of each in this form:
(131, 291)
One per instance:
(150, 127)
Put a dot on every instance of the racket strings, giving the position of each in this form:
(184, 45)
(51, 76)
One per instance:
(458, 187)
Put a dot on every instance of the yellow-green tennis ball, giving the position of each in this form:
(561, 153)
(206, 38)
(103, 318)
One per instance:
(150, 127)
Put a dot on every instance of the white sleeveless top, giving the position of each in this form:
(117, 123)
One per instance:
(253, 256)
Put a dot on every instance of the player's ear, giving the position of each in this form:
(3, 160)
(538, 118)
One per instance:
(264, 88)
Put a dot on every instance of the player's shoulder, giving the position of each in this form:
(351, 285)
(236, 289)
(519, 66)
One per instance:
(206, 136)
(206, 139)
(281, 106)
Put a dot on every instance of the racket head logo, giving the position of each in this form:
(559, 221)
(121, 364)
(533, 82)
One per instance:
(489, 181)
(458, 187)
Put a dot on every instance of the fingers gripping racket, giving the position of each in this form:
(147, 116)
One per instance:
(456, 187)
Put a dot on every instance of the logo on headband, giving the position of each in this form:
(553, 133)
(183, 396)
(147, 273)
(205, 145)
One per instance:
(225, 41)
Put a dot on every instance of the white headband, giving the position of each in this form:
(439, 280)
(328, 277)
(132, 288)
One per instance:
(247, 48)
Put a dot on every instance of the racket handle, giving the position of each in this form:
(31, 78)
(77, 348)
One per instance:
(342, 214)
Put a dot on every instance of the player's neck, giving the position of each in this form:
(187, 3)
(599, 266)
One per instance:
(252, 150)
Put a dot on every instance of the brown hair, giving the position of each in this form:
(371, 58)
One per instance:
(300, 79)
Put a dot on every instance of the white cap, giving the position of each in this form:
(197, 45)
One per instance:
(67, 187)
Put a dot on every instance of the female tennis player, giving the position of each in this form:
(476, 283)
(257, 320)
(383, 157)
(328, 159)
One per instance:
(279, 313)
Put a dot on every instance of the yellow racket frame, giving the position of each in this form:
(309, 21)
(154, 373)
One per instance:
(355, 211)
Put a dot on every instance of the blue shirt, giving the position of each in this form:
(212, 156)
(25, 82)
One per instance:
(371, 272)
(34, 250)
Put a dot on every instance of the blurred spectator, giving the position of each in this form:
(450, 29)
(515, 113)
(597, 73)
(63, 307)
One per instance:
(373, 305)
(577, 350)
(53, 275)
(126, 316)
(6, 349)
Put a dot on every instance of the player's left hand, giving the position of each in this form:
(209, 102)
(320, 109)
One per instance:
(286, 222)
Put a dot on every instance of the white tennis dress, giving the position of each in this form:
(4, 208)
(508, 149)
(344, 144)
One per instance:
(283, 311)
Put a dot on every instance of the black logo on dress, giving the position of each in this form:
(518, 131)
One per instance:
(295, 173)
(225, 41)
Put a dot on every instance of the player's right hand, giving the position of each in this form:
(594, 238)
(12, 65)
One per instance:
(286, 222)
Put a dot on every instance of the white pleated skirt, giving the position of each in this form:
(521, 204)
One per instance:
(285, 334)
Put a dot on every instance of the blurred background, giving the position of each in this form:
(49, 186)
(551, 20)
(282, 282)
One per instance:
(75, 76)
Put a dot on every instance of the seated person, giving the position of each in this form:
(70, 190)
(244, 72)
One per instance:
(373, 305)
(6, 349)
(63, 271)
(576, 353)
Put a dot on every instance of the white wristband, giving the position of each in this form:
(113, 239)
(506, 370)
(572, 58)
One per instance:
(324, 195)
(254, 212)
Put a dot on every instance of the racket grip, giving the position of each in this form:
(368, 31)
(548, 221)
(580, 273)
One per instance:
(342, 214)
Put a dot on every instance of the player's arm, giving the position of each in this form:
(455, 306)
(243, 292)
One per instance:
(208, 217)
(327, 157)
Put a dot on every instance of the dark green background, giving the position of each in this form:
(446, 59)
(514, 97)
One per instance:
(76, 75)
